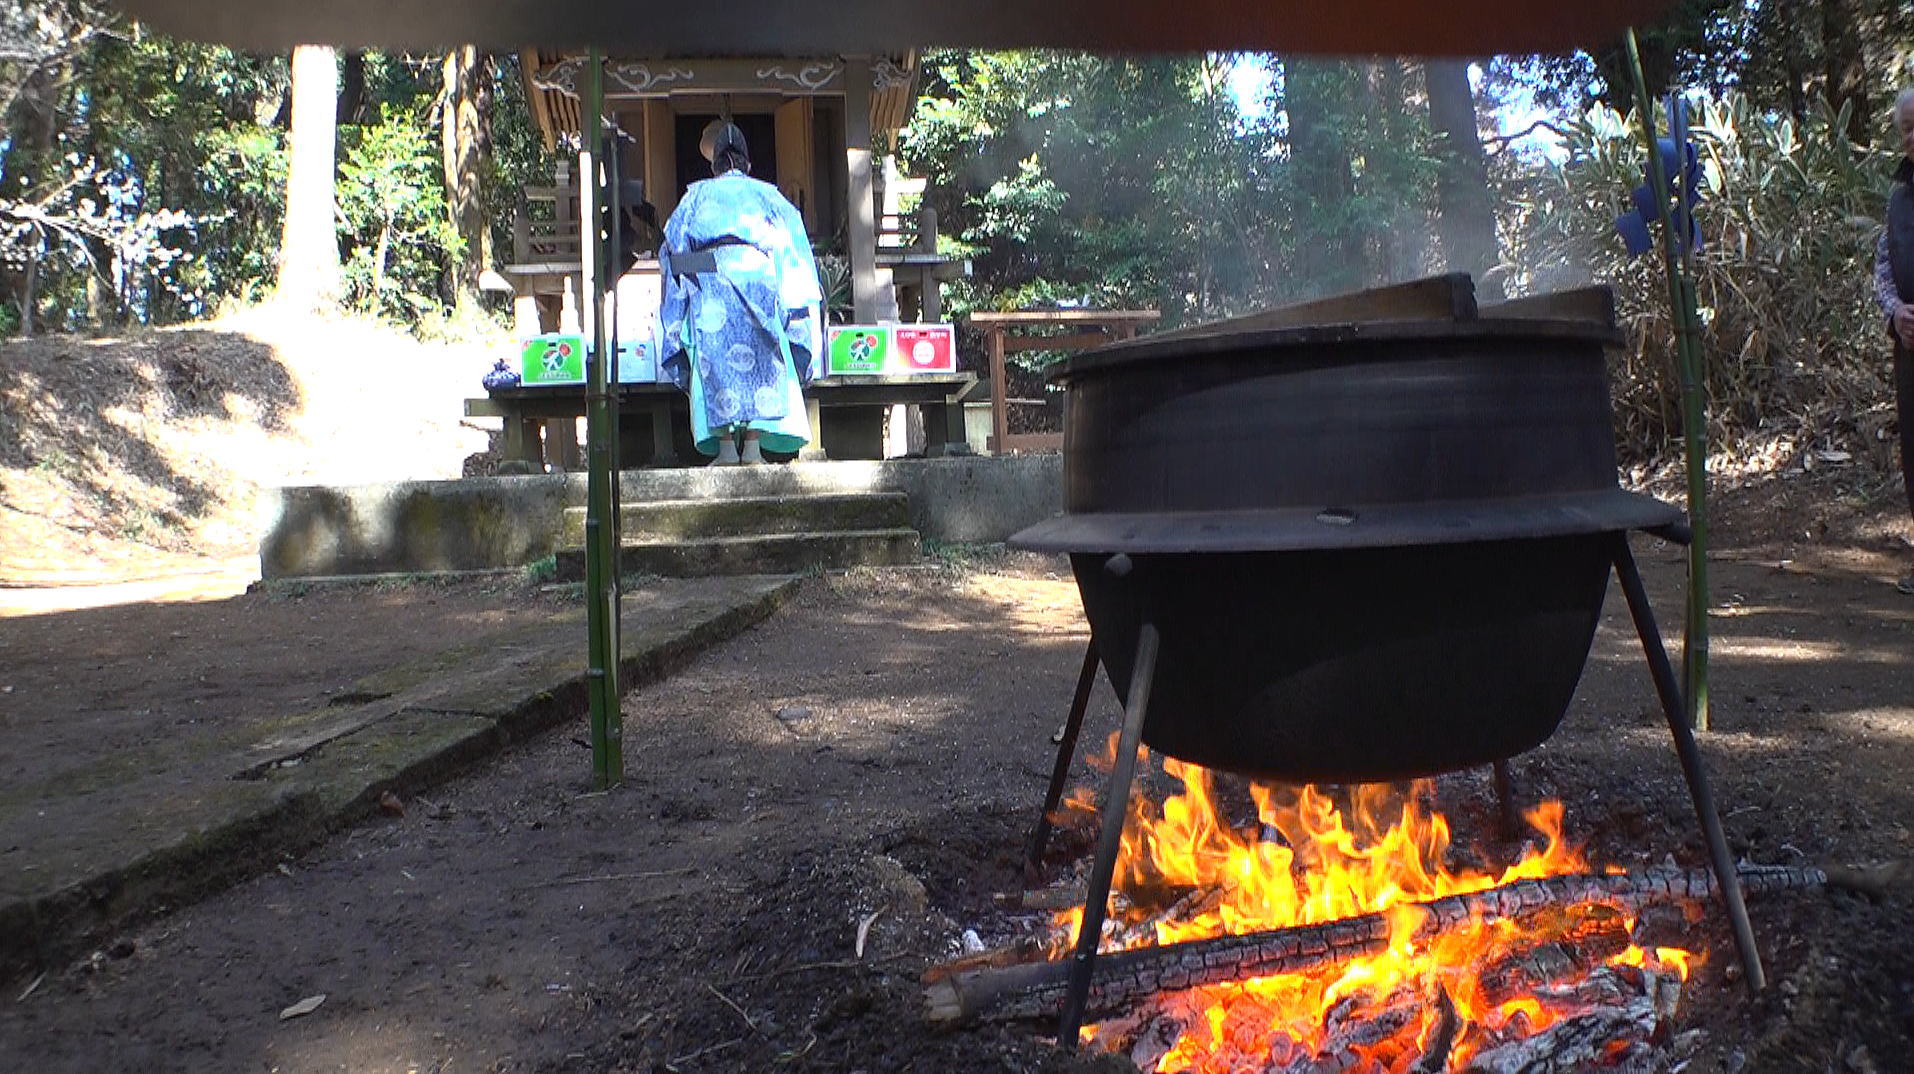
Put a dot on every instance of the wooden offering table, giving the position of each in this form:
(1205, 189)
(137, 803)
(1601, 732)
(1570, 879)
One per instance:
(852, 430)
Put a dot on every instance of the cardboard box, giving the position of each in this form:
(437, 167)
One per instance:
(858, 349)
(635, 308)
(891, 349)
(638, 361)
(925, 348)
(553, 358)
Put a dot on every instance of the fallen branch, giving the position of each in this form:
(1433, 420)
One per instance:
(1035, 991)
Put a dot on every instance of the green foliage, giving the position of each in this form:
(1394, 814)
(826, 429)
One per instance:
(139, 167)
(235, 247)
(834, 278)
(398, 241)
(180, 148)
(1110, 181)
(1126, 181)
(1791, 338)
(1777, 54)
(188, 122)
(1372, 220)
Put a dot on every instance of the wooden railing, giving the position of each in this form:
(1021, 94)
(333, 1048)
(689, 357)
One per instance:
(545, 227)
(901, 230)
(1008, 333)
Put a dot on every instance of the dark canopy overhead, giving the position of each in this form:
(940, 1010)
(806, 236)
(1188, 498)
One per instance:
(805, 27)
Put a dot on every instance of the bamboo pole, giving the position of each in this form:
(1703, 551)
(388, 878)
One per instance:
(1694, 416)
(601, 511)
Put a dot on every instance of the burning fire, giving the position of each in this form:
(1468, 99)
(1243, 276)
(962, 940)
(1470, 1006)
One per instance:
(1184, 873)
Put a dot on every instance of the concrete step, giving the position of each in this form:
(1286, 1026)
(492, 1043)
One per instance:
(678, 520)
(742, 482)
(783, 553)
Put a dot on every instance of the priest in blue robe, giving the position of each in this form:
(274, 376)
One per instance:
(742, 318)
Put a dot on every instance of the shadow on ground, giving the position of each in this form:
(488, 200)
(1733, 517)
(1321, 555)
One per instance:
(706, 916)
(85, 413)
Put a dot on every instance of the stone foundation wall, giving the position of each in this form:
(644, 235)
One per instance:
(491, 522)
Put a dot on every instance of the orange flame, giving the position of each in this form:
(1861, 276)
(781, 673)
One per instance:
(1321, 856)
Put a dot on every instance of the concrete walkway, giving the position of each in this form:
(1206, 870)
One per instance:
(126, 833)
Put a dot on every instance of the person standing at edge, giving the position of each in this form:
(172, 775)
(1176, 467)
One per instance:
(1894, 286)
(742, 316)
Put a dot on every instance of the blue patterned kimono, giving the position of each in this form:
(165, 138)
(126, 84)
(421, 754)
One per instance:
(743, 340)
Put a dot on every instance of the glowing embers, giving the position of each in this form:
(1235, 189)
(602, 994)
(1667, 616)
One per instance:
(1456, 969)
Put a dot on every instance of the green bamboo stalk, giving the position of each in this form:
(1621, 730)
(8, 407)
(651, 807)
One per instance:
(1681, 298)
(601, 537)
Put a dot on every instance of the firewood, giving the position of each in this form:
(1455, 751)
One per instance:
(1035, 991)
(1048, 899)
(1025, 950)
(1610, 986)
(1875, 881)
(1355, 1027)
(1435, 1054)
(1557, 955)
(1159, 1035)
(1592, 1039)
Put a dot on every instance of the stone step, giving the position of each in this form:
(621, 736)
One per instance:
(784, 553)
(740, 482)
(677, 520)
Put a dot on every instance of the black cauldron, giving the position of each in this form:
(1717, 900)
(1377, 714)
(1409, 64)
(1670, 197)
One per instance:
(1373, 551)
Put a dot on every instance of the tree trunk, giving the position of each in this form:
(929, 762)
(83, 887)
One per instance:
(1658, 53)
(1465, 211)
(1328, 258)
(466, 129)
(352, 87)
(1797, 89)
(378, 266)
(29, 164)
(1407, 241)
(1846, 66)
(309, 245)
(106, 290)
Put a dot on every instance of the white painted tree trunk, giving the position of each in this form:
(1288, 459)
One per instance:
(309, 244)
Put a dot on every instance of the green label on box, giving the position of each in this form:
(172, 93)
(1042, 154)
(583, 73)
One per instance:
(553, 359)
(859, 348)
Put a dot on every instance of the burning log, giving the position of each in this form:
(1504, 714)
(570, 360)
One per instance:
(1614, 986)
(1435, 1055)
(1356, 1029)
(1035, 991)
(1618, 1013)
(1027, 949)
(1159, 1035)
(1578, 946)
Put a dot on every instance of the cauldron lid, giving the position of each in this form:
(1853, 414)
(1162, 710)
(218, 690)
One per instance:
(1355, 341)
(1335, 526)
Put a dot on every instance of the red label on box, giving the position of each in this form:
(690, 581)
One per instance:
(925, 348)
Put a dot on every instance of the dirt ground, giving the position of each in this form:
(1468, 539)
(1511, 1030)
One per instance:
(143, 456)
(704, 916)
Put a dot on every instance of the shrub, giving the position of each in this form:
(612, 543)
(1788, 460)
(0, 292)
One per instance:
(1793, 347)
(399, 240)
